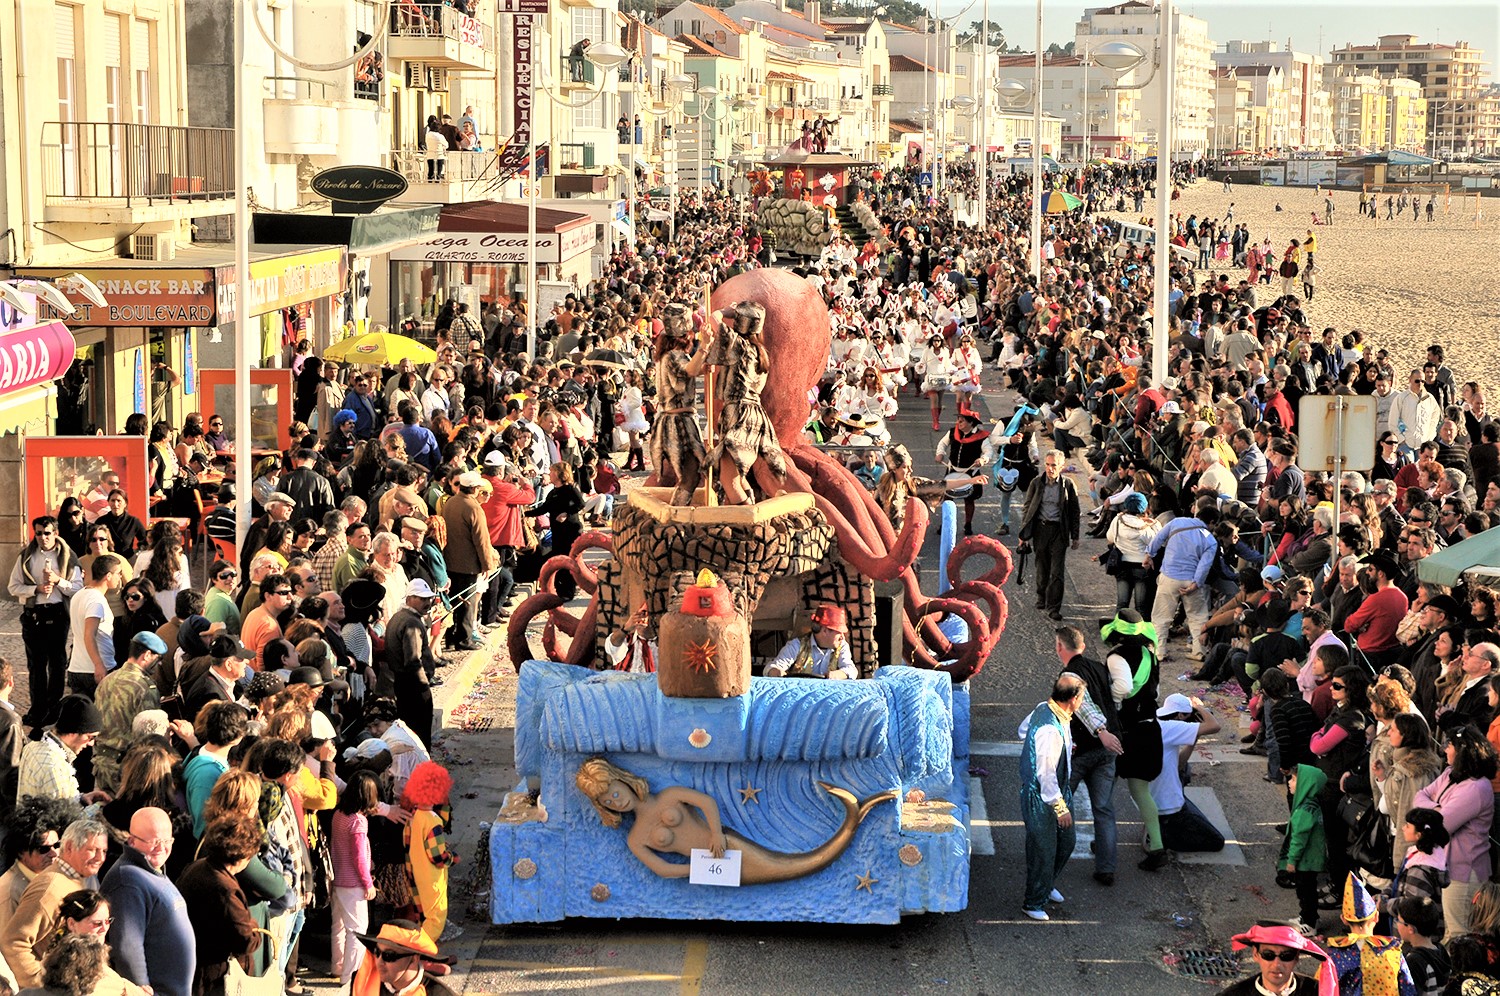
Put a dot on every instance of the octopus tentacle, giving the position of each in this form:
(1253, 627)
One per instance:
(594, 539)
(862, 504)
(980, 546)
(966, 658)
(517, 646)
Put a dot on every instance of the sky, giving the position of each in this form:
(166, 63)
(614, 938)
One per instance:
(1317, 26)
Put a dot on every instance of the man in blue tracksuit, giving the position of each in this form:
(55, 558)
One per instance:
(1046, 799)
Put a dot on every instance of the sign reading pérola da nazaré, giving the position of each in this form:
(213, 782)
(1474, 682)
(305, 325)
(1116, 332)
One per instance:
(358, 189)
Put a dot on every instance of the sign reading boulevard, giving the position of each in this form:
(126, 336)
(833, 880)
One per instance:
(358, 189)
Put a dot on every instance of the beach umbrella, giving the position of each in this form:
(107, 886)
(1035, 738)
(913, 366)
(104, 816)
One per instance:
(1058, 201)
(610, 358)
(375, 348)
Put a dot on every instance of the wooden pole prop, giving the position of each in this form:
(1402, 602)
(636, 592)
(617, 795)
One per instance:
(709, 498)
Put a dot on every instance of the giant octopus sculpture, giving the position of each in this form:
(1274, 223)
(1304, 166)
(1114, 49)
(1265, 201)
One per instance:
(797, 336)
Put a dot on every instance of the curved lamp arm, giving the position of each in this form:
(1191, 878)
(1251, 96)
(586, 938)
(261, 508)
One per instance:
(1155, 65)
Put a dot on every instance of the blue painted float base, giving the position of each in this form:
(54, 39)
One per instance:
(901, 730)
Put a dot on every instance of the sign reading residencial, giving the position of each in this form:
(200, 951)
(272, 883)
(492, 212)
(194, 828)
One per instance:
(499, 247)
(358, 189)
(513, 154)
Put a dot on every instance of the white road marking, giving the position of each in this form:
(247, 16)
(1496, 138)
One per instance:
(995, 748)
(1205, 799)
(981, 832)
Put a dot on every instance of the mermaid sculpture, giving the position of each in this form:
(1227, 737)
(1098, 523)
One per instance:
(676, 443)
(677, 819)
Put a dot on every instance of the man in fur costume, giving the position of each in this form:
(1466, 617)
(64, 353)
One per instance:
(676, 443)
(747, 441)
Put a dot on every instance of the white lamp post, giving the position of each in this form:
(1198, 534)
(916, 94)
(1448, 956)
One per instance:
(608, 57)
(678, 86)
(964, 105)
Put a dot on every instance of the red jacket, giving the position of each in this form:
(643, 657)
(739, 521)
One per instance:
(502, 510)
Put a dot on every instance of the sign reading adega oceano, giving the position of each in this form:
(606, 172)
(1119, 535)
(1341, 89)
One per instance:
(358, 189)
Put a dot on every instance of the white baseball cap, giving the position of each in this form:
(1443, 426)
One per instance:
(420, 589)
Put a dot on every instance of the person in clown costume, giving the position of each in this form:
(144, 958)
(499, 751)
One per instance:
(1363, 963)
(428, 856)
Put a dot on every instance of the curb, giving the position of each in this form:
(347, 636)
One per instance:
(460, 680)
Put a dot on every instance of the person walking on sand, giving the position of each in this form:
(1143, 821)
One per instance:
(1309, 278)
(1390, 207)
(1328, 210)
(1431, 207)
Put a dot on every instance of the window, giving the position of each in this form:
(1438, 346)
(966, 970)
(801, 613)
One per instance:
(140, 67)
(114, 27)
(67, 65)
(588, 22)
(590, 114)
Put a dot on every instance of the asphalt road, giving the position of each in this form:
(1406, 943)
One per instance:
(1101, 940)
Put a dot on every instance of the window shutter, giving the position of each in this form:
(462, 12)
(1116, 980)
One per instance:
(113, 55)
(140, 45)
(63, 27)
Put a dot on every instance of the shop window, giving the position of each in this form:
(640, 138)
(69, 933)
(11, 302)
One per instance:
(58, 467)
(270, 406)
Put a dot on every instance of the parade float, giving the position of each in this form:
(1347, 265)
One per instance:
(701, 789)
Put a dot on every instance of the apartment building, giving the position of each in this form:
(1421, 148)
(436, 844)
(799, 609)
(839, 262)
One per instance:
(1360, 106)
(1193, 96)
(1234, 116)
(1463, 111)
(1306, 103)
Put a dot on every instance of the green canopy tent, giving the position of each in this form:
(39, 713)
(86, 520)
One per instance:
(1478, 554)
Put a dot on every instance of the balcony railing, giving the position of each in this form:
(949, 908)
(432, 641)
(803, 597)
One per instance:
(436, 20)
(137, 164)
(583, 72)
(883, 90)
(295, 88)
(458, 167)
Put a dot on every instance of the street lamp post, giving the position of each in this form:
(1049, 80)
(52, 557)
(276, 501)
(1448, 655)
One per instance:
(678, 86)
(984, 122)
(1036, 155)
(607, 57)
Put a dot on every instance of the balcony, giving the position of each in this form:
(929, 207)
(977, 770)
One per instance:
(106, 173)
(301, 117)
(440, 36)
(571, 77)
(465, 176)
(883, 91)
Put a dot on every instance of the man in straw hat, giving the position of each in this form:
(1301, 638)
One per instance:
(401, 961)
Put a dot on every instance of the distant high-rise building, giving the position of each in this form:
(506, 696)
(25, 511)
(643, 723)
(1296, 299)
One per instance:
(1463, 113)
(1307, 118)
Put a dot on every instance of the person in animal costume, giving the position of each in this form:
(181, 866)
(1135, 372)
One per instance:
(676, 442)
(1364, 963)
(747, 441)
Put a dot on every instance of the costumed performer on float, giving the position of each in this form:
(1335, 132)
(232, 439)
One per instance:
(746, 438)
(823, 653)
(676, 442)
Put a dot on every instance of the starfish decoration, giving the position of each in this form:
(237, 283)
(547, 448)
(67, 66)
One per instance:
(865, 881)
(701, 657)
(748, 794)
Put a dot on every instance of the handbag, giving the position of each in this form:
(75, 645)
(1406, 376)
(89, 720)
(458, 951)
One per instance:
(1354, 808)
(1112, 561)
(1370, 844)
(238, 982)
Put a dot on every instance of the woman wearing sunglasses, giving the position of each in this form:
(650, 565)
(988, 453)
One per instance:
(1275, 951)
(87, 912)
(218, 598)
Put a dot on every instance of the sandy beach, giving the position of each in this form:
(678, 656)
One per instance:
(1408, 284)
